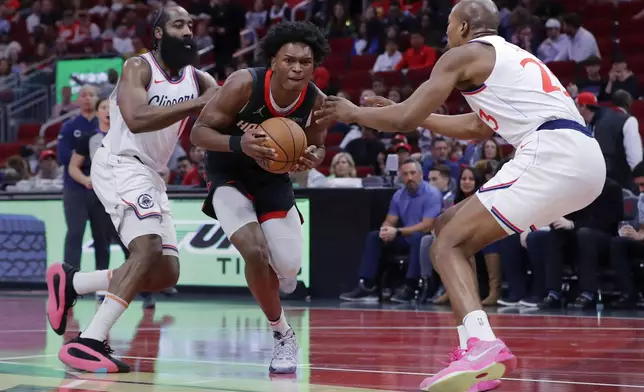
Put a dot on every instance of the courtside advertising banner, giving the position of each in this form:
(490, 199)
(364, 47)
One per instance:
(32, 236)
(76, 73)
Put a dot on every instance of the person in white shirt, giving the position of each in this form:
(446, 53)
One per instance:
(631, 130)
(122, 42)
(33, 19)
(556, 46)
(388, 60)
(582, 42)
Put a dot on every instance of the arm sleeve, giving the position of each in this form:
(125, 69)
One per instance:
(82, 146)
(433, 205)
(394, 208)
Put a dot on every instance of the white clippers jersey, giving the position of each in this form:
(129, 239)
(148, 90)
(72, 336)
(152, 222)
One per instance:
(520, 94)
(153, 148)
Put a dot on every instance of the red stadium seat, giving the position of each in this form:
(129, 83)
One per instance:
(335, 64)
(341, 46)
(356, 80)
(333, 139)
(391, 78)
(326, 170)
(418, 76)
(9, 149)
(330, 153)
(28, 132)
(563, 69)
(364, 171)
(363, 63)
(52, 131)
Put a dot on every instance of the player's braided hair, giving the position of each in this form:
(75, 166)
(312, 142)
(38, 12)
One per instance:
(295, 32)
(157, 19)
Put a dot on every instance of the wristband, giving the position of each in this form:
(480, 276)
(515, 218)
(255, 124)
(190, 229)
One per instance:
(234, 143)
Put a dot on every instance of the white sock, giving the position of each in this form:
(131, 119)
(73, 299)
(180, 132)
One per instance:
(477, 326)
(90, 282)
(110, 310)
(462, 337)
(280, 325)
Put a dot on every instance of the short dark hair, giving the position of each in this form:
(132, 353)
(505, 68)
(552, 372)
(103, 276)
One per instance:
(183, 158)
(158, 19)
(443, 170)
(573, 20)
(438, 139)
(295, 32)
(638, 170)
(622, 99)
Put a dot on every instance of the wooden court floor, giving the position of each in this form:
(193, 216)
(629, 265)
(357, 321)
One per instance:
(218, 345)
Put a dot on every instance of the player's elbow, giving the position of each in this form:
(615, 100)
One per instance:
(196, 134)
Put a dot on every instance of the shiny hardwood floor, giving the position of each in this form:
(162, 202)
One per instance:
(225, 345)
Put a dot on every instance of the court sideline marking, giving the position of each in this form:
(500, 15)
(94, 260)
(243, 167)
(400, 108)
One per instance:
(331, 369)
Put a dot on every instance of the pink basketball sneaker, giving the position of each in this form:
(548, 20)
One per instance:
(480, 367)
(456, 355)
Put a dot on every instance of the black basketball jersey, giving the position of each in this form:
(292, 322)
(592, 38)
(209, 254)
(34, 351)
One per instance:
(258, 110)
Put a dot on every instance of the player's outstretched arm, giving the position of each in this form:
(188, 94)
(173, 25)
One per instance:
(220, 113)
(132, 99)
(461, 126)
(410, 114)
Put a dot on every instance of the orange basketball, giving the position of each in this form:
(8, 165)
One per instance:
(289, 142)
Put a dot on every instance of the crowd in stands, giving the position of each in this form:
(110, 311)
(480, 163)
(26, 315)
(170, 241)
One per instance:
(388, 49)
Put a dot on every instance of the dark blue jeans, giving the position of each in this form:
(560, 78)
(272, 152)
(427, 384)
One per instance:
(374, 247)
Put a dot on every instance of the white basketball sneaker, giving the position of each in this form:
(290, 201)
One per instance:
(285, 356)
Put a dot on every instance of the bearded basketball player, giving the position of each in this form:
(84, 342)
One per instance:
(149, 107)
(558, 168)
(255, 208)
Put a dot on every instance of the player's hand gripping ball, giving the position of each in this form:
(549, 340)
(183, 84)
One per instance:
(287, 139)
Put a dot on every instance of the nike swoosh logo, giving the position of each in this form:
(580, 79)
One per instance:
(158, 81)
(524, 144)
(473, 358)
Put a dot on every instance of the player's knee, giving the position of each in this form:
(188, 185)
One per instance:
(288, 264)
(439, 252)
(256, 254)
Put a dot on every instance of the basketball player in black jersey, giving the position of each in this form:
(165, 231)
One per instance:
(255, 208)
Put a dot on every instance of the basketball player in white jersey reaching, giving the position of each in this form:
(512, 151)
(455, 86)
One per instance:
(558, 168)
(148, 112)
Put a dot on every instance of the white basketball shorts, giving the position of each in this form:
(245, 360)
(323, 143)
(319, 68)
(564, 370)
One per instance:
(554, 172)
(134, 195)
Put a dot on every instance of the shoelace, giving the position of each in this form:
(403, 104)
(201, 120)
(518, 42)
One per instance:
(107, 347)
(456, 354)
(285, 348)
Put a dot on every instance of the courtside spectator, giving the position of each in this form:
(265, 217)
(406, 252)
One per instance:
(440, 156)
(556, 46)
(596, 225)
(582, 42)
(365, 150)
(411, 215)
(419, 55)
(228, 19)
(616, 140)
(389, 59)
(621, 78)
(593, 82)
(279, 11)
(627, 247)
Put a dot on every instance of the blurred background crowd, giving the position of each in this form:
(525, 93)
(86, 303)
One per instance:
(385, 48)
